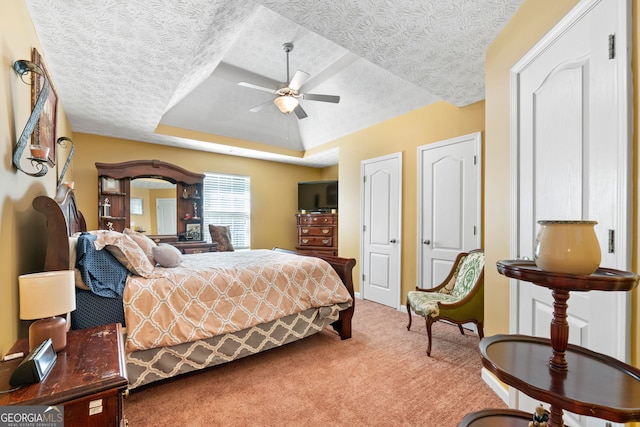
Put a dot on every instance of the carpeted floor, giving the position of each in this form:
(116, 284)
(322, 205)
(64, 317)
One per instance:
(380, 377)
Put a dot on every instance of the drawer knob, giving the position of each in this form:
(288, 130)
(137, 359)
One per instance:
(325, 231)
(305, 230)
(305, 241)
(325, 241)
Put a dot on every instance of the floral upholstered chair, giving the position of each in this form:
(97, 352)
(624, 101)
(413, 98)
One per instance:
(459, 299)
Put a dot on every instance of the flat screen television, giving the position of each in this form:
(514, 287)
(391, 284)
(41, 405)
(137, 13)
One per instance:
(317, 196)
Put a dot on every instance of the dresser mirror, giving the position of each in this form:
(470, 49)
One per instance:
(167, 202)
(158, 206)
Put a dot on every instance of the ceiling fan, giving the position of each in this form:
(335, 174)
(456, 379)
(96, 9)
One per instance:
(288, 94)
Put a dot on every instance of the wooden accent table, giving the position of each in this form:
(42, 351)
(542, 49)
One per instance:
(88, 378)
(486, 418)
(565, 376)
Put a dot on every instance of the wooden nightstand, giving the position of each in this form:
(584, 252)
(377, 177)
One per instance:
(88, 378)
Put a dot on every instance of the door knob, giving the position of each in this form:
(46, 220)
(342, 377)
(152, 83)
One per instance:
(426, 242)
(392, 241)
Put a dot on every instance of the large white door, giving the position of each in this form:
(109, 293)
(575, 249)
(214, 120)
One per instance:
(381, 213)
(571, 149)
(449, 208)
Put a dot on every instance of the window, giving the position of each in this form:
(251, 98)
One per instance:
(227, 201)
(136, 206)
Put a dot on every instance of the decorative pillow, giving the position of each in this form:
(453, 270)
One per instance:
(145, 243)
(99, 269)
(167, 255)
(221, 235)
(73, 244)
(73, 259)
(126, 251)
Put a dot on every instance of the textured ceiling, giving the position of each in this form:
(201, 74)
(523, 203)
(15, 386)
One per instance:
(122, 68)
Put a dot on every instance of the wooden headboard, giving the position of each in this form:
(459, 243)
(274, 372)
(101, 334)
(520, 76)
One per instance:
(63, 219)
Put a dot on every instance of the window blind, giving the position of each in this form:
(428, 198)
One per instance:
(227, 201)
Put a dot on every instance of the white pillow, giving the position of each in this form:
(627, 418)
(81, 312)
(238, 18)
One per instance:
(167, 255)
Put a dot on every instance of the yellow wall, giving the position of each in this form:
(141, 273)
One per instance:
(21, 229)
(404, 135)
(274, 186)
(635, 303)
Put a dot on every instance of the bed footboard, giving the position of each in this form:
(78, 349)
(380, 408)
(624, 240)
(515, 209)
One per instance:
(344, 268)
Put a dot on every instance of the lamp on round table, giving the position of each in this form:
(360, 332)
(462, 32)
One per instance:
(46, 296)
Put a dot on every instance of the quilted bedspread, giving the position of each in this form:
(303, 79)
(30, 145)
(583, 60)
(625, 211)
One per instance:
(216, 293)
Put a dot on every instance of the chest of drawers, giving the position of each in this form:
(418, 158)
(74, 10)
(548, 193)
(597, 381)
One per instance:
(317, 233)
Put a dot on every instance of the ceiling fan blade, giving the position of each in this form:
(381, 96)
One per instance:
(252, 86)
(347, 59)
(261, 106)
(298, 80)
(323, 98)
(300, 112)
(235, 74)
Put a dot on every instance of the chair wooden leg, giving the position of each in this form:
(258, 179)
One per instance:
(461, 330)
(410, 317)
(430, 322)
(480, 330)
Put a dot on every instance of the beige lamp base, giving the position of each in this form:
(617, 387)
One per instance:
(51, 327)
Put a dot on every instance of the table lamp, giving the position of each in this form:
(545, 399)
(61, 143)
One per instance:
(45, 296)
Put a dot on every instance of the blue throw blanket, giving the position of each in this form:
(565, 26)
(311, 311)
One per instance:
(100, 270)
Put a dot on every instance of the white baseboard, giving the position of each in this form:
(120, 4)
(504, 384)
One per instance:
(495, 385)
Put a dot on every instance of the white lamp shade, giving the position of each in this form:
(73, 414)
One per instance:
(286, 104)
(46, 294)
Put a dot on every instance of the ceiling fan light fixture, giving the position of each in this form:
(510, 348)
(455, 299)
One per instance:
(286, 104)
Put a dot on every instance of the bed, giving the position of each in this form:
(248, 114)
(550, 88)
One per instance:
(181, 319)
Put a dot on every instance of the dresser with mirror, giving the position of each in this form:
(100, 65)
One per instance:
(157, 198)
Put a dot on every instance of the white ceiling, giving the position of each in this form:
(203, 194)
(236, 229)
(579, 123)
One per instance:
(122, 67)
